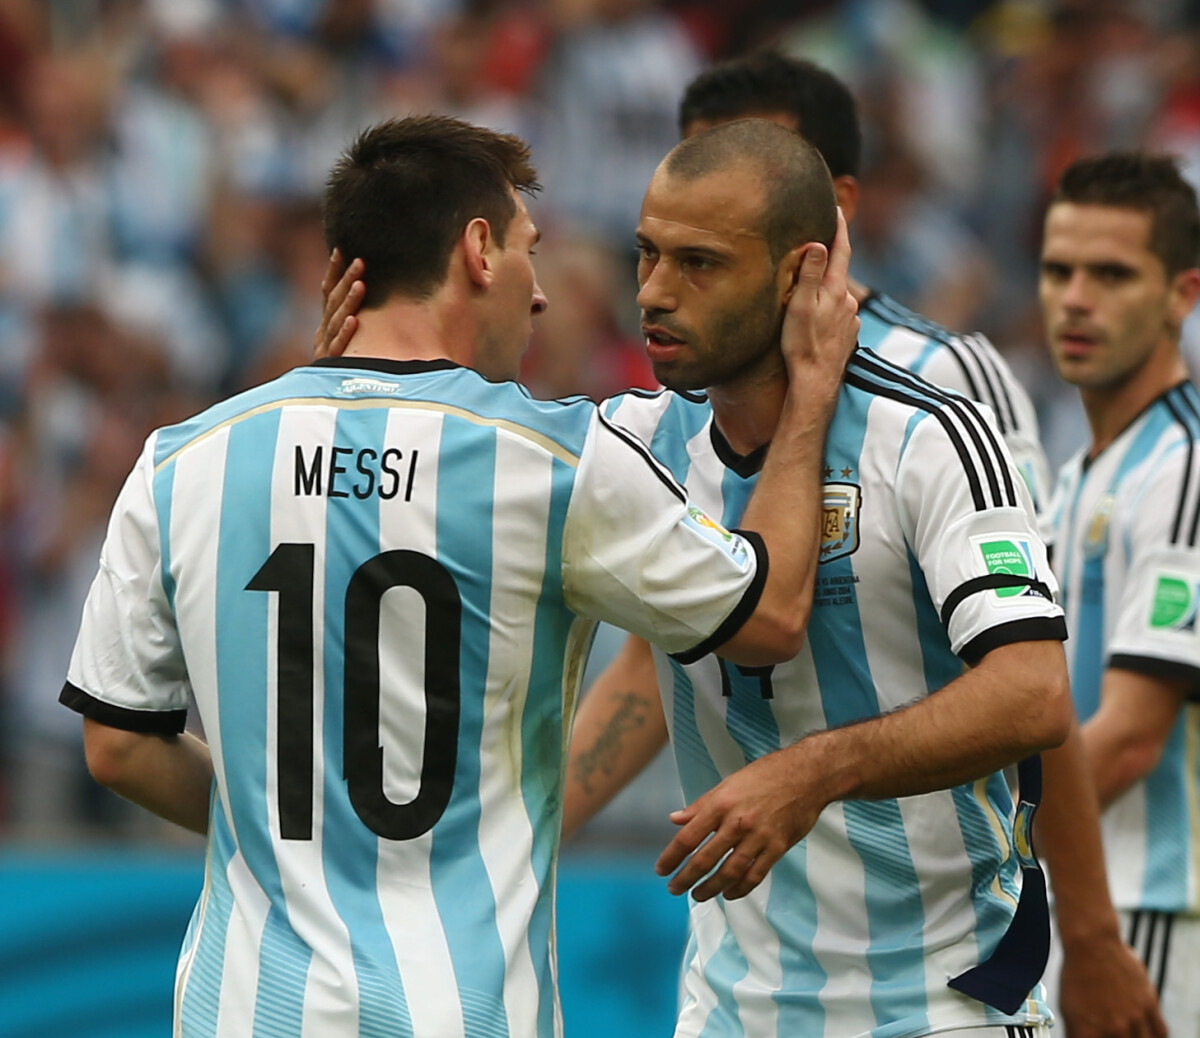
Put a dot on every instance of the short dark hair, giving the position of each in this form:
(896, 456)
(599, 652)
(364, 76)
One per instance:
(1150, 183)
(401, 194)
(800, 202)
(767, 81)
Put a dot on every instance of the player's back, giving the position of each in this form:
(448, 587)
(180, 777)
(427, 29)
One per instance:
(967, 364)
(386, 822)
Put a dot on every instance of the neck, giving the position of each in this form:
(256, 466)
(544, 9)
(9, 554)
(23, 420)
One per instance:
(402, 329)
(747, 408)
(1111, 409)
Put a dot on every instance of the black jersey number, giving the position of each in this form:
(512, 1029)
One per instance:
(289, 571)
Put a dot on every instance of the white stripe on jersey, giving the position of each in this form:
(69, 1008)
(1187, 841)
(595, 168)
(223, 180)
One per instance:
(403, 869)
(506, 835)
(195, 489)
(243, 940)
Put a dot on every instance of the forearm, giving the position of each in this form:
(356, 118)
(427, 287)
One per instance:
(1014, 704)
(1067, 834)
(168, 775)
(618, 730)
(787, 504)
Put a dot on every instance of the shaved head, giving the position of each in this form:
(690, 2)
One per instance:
(799, 204)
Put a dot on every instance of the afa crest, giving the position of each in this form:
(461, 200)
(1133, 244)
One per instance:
(1095, 537)
(839, 520)
(1023, 834)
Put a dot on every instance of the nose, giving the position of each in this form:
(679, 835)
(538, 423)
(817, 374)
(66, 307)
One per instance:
(656, 291)
(540, 302)
(1076, 293)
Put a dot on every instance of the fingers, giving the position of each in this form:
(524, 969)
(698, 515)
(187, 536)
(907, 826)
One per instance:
(837, 271)
(342, 300)
(333, 273)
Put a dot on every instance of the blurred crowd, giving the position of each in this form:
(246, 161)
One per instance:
(162, 162)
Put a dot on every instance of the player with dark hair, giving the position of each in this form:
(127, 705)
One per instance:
(1119, 274)
(377, 575)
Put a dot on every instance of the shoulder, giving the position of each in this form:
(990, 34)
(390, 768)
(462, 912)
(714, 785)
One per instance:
(967, 363)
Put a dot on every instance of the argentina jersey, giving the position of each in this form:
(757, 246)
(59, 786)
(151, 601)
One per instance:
(929, 557)
(1126, 527)
(378, 580)
(967, 364)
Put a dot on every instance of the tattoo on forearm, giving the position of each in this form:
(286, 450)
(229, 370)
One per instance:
(601, 757)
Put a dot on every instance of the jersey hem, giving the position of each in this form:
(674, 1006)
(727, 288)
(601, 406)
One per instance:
(1030, 629)
(1158, 668)
(150, 722)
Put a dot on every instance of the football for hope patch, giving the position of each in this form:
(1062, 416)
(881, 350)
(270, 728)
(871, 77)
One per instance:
(1173, 606)
(1006, 555)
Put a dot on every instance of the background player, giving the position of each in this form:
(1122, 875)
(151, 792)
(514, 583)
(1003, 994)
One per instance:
(371, 575)
(1118, 276)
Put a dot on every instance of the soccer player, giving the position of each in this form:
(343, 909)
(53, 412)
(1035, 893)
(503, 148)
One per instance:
(375, 575)
(621, 726)
(1118, 276)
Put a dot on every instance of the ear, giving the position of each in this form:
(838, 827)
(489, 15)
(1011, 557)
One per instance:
(1185, 291)
(787, 276)
(845, 188)
(478, 244)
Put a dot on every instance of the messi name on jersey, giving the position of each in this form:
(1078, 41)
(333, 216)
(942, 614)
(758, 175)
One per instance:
(361, 473)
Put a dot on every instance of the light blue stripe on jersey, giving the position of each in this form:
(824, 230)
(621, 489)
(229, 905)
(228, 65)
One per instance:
(351, 861)
(1165, 885)
(164, 483)
(848, 694)
(466, 462)
(241, 631)
(542, 730)
(210, 924)
(697, 775)
(1087, 635)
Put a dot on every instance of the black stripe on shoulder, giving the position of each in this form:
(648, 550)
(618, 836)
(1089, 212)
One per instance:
(640, 448)
(1030, 629)
(986, 357)
(912, 390)
(1187, 414)
(960, 447)
(741, 612)
(960, 348)
(965, 411)
(149, 722)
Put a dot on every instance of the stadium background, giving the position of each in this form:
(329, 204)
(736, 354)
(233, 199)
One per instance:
(161, 163)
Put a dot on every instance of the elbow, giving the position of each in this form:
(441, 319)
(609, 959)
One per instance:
(1053, 712)
(109, 753)
(767, 641)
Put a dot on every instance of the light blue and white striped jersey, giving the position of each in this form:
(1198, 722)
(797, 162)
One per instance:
(1126, 553)
(929, 557)
(375, 578)
(967, 364)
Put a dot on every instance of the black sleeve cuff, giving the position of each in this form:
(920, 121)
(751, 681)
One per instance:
(1159, 668)
(150, 722)
(1031, 629)
(741, 612)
